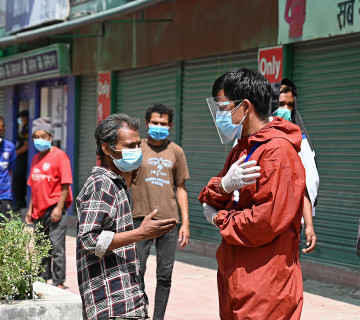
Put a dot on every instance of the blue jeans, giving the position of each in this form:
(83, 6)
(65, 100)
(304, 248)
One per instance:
(165, 256)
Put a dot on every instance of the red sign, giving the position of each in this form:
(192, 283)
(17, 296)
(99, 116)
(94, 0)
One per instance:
(104, 96)
(270, 62)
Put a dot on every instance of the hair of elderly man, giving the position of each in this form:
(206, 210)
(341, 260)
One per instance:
(107, 130)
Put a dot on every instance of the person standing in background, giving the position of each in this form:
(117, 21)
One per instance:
(7, 165)
(159, 183)
(19, 176)
(50, 179)
(284, 105)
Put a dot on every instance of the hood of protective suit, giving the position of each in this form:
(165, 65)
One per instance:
(277, 128)
(295, 114)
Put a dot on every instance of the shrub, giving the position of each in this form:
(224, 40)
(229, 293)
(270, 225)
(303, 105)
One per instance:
(21, 252)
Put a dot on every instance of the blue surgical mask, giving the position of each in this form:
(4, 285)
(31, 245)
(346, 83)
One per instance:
(20, 122)
(131, 159)
(158, 132)
(283, 113)
(42, 145)
(226, 127)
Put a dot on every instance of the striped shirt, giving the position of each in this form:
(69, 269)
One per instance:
(110, 282)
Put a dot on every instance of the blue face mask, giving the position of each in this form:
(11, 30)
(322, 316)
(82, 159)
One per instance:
(131, 159)
(158, 132)
(42, 145)
(226, 127)
(283, 113)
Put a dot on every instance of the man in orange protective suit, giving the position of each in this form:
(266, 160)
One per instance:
(258, 214)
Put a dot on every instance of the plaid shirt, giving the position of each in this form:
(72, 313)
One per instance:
(110, 282)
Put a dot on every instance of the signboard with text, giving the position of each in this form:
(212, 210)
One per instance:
(50, 61)
(104, 95)
(311, 19)
(270, 63)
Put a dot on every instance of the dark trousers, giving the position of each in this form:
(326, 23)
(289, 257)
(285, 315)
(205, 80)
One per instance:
(5, 206)
(55, 264)
(19, 182)
(165, 256)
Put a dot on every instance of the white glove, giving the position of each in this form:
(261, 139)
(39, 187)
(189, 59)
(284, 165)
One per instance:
(209, 213)
(240, 174)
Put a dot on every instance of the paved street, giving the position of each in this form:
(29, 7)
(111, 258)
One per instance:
(194, 293)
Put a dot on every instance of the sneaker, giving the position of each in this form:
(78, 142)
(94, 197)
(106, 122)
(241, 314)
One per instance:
(60, 286)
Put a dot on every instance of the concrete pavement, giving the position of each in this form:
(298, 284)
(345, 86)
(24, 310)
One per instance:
(194, 293)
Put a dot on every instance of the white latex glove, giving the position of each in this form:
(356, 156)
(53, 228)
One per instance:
(240, 174)
(209, 213)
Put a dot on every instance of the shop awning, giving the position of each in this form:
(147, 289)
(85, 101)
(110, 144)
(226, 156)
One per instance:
(69, 26)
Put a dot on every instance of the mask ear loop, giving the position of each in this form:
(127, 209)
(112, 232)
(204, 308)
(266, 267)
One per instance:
(237, 107)
(242, 120)
(115, 151)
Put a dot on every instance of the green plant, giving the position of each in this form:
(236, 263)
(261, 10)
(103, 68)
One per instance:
(21, 252)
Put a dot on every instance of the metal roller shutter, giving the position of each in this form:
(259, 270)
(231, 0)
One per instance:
(87, 125)
(2, 101)
(204, 152)
(141, 88)
(326, 74)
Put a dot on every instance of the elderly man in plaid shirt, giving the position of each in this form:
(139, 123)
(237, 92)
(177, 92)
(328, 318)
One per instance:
(109, 278)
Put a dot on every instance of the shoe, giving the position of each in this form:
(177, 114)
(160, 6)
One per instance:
(60, 286)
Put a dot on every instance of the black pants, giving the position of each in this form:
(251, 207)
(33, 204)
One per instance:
(165, 256)
(19, 182)
(55, 265)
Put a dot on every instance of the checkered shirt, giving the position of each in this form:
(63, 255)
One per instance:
(110, 282)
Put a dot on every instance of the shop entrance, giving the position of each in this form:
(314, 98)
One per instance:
(54, 105)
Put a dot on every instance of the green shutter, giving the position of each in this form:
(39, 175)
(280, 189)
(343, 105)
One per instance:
(326, 74)
(87, 125)
(140, 88)
(204, 153)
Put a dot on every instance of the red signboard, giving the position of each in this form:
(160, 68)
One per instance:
(270, 62)
(104, 95)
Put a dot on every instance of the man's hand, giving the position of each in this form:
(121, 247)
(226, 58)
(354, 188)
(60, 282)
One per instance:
(240, 174)
(28, 217)
(155, 228)
(310, 239)
(184, 235)
(56, 214)
(209, 213)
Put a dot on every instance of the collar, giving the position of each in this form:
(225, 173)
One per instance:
(106, 172)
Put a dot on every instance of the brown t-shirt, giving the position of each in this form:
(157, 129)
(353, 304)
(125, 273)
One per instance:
(154, 182)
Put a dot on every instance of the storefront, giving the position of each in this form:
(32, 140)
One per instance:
(39, 81)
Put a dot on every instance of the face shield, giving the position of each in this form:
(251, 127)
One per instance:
(221, 110)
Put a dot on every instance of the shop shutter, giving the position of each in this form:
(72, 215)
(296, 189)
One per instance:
(204, 152)
(2, 102)
(140, 88)
(87, 125)
(326, 74)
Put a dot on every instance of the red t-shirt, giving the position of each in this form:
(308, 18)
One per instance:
(47, 174)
